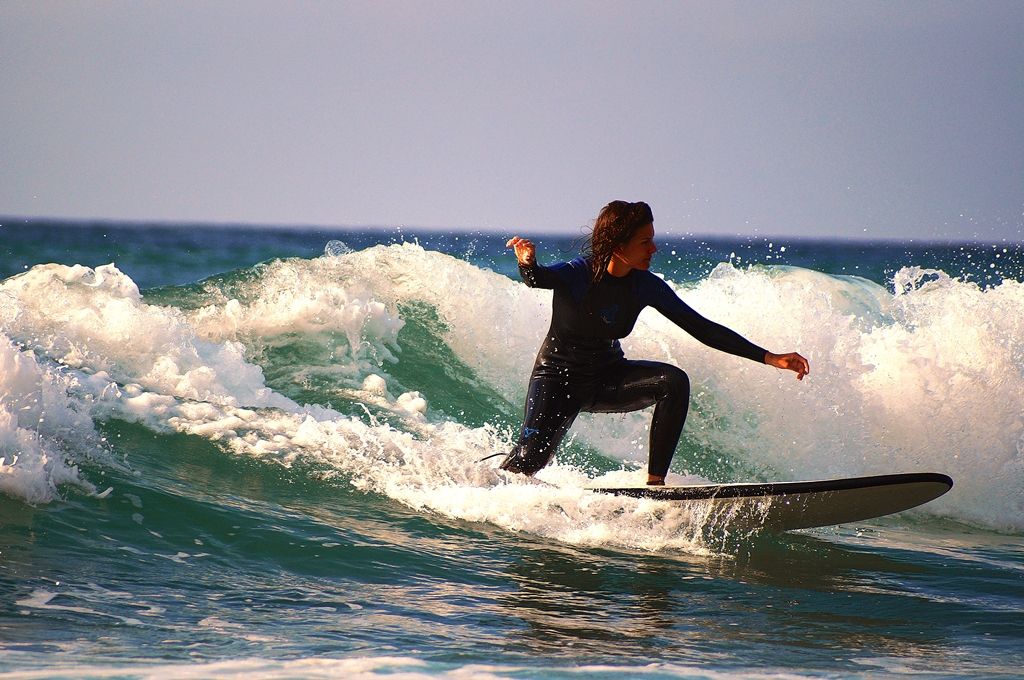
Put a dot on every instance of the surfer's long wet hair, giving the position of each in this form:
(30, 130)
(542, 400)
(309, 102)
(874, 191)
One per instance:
(614, 227)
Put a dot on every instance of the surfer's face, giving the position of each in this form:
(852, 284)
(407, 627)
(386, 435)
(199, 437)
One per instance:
(636, 253)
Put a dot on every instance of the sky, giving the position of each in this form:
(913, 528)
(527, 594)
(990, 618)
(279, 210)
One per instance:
(820, 119)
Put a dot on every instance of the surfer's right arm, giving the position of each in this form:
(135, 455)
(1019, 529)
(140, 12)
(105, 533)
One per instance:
(534, 275)
(526, 252)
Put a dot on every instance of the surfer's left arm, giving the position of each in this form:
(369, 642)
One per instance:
(790, 361)
(715, 335)
(661, 296)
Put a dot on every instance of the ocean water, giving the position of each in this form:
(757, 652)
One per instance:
(231, 452)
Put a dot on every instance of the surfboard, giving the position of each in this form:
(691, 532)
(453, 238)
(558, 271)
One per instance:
(785, 506)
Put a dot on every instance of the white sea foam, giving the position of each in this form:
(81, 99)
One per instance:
(306, 297)
(357, 295)
(39, 426)
(95, 319)
(429, 466)
(927, 379)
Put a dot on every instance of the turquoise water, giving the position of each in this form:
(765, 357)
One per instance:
(241, 451)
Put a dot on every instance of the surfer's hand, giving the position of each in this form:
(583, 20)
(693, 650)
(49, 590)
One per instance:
(525, 250)
(791, 361)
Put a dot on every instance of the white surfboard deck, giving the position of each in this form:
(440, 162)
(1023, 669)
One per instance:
(784, 506)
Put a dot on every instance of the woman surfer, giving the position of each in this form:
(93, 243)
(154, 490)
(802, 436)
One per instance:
(580, 365)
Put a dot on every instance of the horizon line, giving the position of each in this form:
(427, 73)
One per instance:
(166, 223)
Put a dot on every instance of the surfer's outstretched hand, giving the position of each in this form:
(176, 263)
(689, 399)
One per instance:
(525, 250)
(791, 361)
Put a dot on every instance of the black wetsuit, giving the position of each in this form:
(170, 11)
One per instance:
(581, 367)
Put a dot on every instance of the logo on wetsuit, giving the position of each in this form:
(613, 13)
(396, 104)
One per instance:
(609, 314)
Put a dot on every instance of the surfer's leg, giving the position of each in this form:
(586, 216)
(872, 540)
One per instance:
(551, 409)
(639, 384)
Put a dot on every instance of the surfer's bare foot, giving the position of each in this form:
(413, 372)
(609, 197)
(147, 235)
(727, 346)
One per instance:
(655, 481)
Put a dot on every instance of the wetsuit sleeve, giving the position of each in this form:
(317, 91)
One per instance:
(539, 276)
(712, 334)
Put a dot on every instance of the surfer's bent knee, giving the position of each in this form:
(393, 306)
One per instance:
(677, 380)
(670, 382)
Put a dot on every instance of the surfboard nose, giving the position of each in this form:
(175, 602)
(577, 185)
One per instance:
(785, 506)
